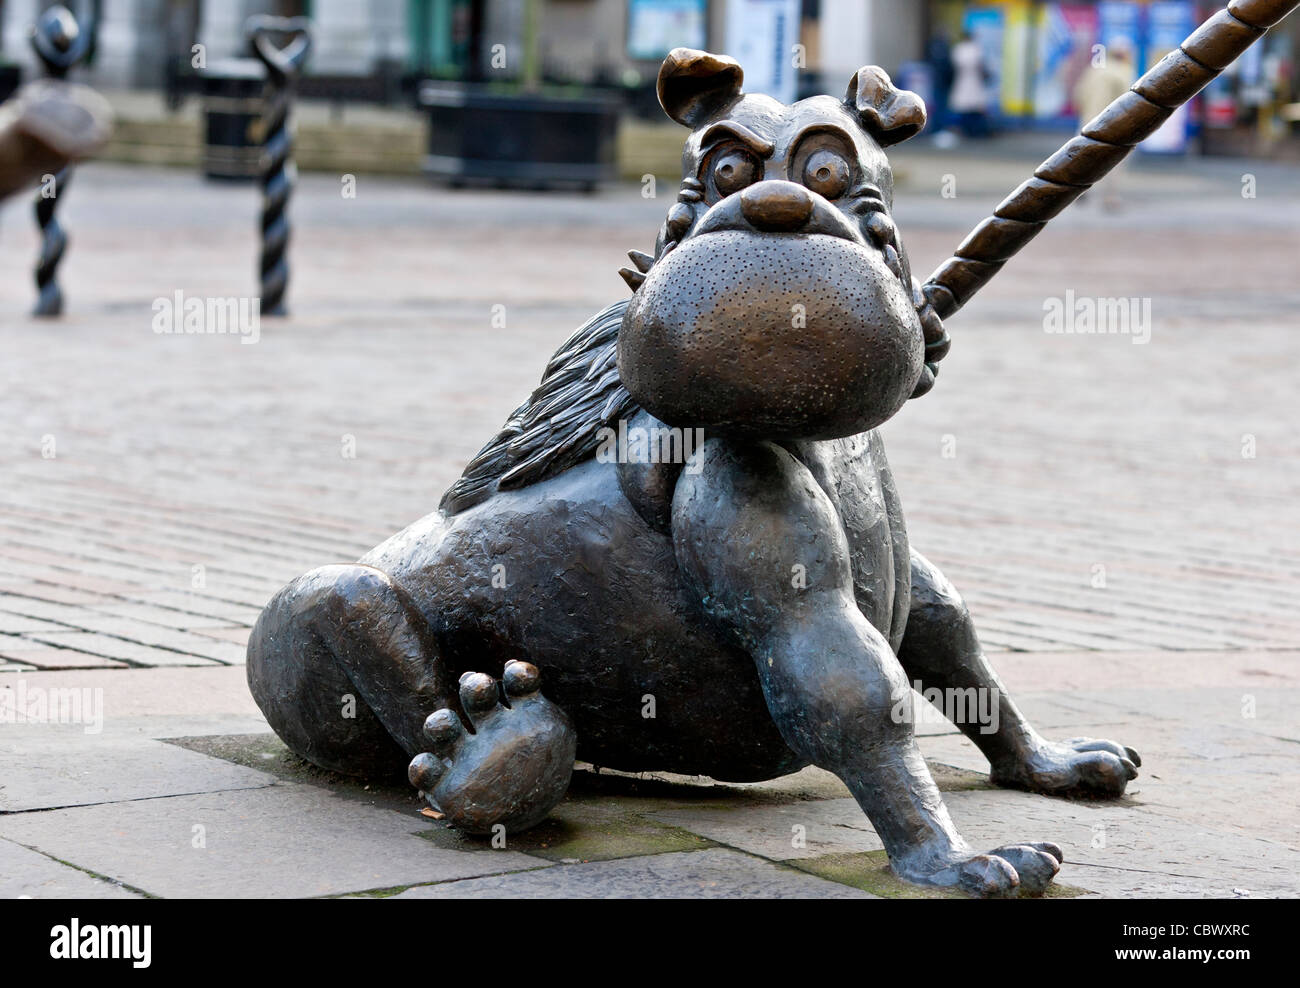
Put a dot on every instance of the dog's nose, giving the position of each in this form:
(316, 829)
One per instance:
(776, 206)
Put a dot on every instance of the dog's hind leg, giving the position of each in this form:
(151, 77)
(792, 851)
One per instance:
(345, 671)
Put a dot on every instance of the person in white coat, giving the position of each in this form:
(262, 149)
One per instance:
(1108, 78)
(969, 100)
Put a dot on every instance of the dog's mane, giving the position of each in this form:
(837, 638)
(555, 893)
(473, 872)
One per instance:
(556, 428)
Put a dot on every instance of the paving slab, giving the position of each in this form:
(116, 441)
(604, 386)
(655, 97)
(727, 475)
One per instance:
(286, 841)
(1266, 709)
(234, 634)
(714, 873)
(46, 765)
(13, 624)
(186, 642)
(781, 832)
(161, 616)
(117, 648)
(1118, 849)
(163, 702)
(1055, 713)
(1113, 849)
(27, 874)
(1149, 669)
(41, 656)
(204, 606)
(1199, 773)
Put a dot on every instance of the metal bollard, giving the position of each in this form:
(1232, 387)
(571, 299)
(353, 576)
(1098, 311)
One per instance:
(283, 66)
(60, 44)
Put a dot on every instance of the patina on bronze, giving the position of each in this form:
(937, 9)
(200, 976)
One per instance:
(753, 582)
(60, 44)
(282, 44)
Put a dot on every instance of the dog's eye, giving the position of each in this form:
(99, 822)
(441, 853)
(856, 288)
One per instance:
(733, 170)
(827, 174)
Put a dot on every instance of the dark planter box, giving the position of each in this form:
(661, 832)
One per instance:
(523, 139)
(232, 108)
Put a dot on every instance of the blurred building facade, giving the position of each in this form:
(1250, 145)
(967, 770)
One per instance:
(1035, 50)
(136, 39)
(576, 41)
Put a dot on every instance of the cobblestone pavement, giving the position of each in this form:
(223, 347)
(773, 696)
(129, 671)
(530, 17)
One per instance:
(1120, 518)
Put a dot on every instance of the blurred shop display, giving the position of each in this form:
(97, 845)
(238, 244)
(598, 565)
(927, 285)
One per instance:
(1036, 55)
(762, 35)
(656, 27)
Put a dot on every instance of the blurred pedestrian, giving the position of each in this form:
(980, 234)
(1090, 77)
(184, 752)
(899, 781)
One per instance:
(1109, 77)
(969, 100)
(938, 53)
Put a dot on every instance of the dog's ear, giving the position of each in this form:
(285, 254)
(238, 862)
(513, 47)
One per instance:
(889, 114)
(694, 85)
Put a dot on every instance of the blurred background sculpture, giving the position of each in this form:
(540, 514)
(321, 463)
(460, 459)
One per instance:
(60, 44)
(44, 127)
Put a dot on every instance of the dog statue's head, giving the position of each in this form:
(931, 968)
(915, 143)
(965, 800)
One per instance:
(779, 302)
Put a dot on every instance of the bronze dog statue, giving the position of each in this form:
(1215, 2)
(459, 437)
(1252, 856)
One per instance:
(755, 590)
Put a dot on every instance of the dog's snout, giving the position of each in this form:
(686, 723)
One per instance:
(776, 206)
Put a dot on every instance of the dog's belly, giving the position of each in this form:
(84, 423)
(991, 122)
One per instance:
(567, 575)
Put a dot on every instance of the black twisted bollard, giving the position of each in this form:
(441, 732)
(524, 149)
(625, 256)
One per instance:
(60, 44)
(283, 65)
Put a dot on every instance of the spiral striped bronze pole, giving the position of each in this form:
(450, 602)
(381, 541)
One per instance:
(1104, 143)
(279, 175)
(60, 44)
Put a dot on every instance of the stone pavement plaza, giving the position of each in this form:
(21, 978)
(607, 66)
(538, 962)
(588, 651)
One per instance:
(1120, 517)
